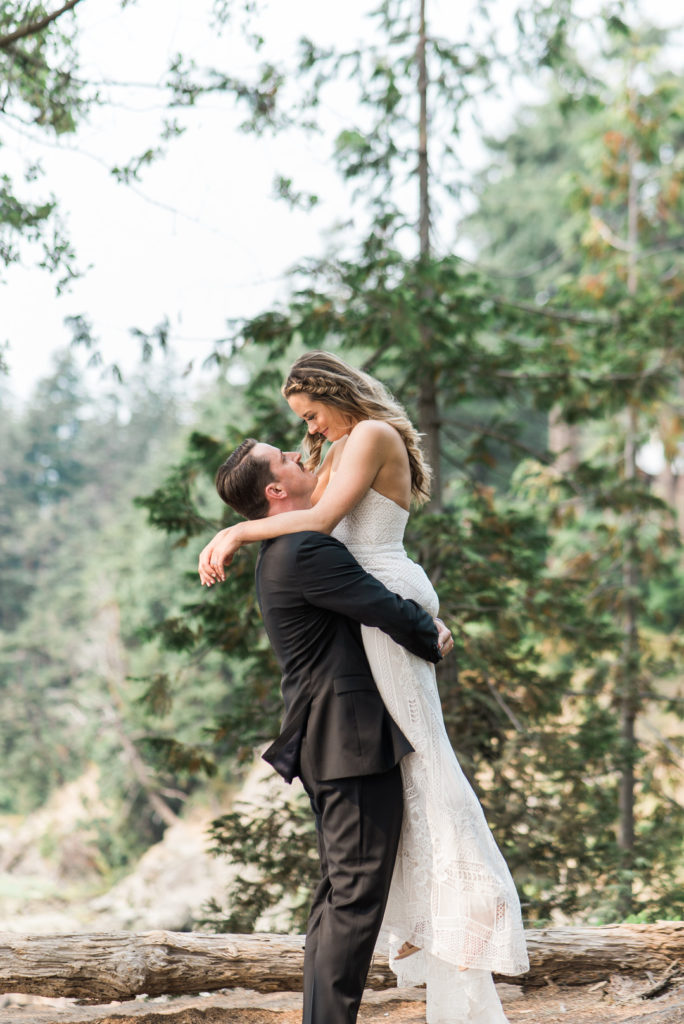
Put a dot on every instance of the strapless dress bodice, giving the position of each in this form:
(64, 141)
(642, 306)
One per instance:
(374, 533)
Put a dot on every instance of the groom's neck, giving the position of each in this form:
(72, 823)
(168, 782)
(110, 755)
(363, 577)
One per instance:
(288, 505)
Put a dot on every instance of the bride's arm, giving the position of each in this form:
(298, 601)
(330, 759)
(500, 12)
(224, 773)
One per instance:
(365, 451)
(225, 543)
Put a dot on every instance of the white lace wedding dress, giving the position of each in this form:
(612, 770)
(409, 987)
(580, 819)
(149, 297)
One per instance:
(452, 894)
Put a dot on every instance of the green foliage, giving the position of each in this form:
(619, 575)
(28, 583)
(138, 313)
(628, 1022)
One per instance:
(41, 87)
(527, 698)
(552, 572)
(276, 848)
(179, 759)
(78, 573)
(616, 253)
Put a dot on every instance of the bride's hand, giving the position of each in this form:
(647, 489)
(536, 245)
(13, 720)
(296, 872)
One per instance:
(218, 554)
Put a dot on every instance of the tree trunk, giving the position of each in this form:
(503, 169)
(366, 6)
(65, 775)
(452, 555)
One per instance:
(428, 399)
(100, 968)
(423, 163)
(629, 697)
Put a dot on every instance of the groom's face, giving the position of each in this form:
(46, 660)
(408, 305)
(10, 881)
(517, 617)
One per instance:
(296, 482)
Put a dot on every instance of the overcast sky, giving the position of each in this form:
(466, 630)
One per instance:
(200, 239)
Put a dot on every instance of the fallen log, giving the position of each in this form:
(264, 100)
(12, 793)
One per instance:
(103, 967)
(579, 956)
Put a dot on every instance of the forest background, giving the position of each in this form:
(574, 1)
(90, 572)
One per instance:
(528, 312)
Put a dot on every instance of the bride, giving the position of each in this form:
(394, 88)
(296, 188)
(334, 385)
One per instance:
(453, 915)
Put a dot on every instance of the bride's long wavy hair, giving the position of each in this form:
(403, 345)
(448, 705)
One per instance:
(330, 380)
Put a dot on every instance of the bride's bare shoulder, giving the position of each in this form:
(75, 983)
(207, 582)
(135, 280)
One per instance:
(375, 432)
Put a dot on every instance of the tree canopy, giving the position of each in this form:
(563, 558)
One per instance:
(548, 562)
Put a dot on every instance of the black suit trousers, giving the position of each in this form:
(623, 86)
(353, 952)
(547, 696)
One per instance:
(358, 822)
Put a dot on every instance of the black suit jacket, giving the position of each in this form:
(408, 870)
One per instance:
(313, 596)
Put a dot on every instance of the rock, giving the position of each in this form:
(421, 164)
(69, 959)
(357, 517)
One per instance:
(175, 879)
(170, 883)
(50, 866)
(56, 843)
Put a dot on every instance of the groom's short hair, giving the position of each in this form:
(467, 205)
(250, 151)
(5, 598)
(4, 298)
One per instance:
(242, 479)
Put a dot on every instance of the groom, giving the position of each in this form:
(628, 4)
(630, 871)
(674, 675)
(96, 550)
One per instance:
(337, 735)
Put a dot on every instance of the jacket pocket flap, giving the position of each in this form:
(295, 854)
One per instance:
(348, 684)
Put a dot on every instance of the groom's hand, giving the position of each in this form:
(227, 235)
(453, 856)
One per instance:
(445, 640)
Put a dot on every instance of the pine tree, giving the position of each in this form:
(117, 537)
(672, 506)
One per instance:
(534, 558)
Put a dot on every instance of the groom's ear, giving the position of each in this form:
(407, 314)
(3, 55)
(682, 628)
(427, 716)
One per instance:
(275, 491)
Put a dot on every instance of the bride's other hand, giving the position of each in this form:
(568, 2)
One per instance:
(218, 554)
(445, 640)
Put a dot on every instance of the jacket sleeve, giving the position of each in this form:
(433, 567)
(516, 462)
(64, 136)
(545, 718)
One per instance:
(330, 577)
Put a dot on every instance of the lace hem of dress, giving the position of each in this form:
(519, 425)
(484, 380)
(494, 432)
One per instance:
(452, 996)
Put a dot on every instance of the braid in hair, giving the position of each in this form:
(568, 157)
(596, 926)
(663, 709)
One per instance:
(313, 386)
(329, 379)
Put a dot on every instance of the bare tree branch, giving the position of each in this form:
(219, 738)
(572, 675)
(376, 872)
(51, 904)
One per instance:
(589, 378)
(33, 27)
(566, 316)
(609, 236)
(528, 271)
(517, 725)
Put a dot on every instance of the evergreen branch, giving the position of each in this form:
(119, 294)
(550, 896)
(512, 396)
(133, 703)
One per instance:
(117, 83)
(505, 438)
(132, 187)
(545, 458)
(33, 27)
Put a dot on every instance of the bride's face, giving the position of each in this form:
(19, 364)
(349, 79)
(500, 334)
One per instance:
(320, 418)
